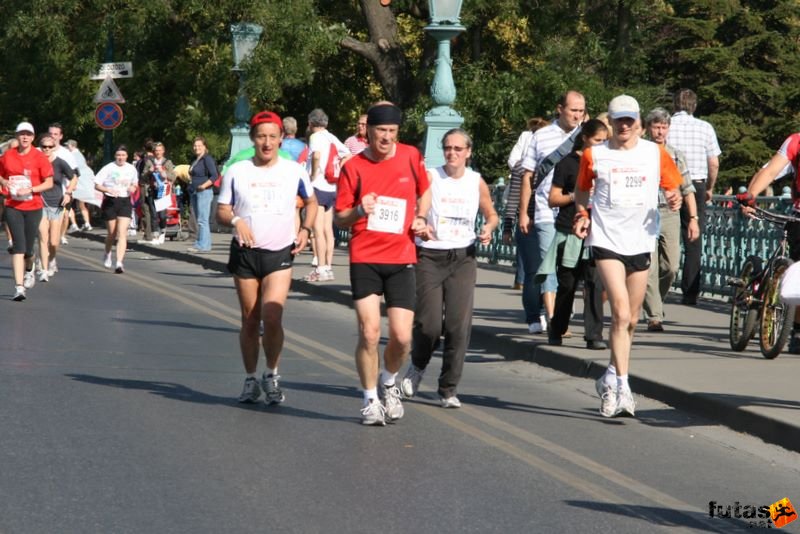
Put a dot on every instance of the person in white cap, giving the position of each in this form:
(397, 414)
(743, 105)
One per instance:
(621, 231)
(24, 172)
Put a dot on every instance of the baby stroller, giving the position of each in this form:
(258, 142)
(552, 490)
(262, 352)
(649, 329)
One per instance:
(173, 229)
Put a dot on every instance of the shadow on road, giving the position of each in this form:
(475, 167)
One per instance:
(664, 517)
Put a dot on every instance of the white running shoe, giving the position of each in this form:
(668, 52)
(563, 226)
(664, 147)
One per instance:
(625, 403)
(29, 280)
(161, 238)
(120, 268)
(326, 276)
(391, 401)
(543, 323)
(87, 227)
(608, 401)
(272, 389)
(131, 233)
(450, 402)
(373, 413)
(53, 268)
(43, 277)
(410, 383)
(535, 328)
(250, 392)
(64, 240)
(19, 293)
(107, 261)
(73, 228)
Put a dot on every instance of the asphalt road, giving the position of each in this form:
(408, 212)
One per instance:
(118, 414)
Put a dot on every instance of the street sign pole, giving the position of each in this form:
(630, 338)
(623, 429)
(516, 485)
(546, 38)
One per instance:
(108, 135)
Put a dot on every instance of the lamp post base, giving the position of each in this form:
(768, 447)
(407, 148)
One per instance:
(439, 120)
(240, 139)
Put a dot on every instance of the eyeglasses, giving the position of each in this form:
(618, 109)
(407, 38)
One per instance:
(450, 148)
(362, 123)
(48, 147)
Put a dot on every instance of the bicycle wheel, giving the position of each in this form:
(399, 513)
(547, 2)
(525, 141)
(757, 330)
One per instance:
(743, 315)
(776, 316)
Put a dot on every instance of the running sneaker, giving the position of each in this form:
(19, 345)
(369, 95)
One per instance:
(313, 276)
(625, 403)
(608, 401)
(326, 276)
(64, 240)
(161, 238)
(73, 228)
(600, 385)
(53, 268)
(250, 392)
(410, 383)
(120, 268)
(391, 402)
(107, 261)
(450, 402)
(29, 280)
(43, 277)
(19, 293)
(535, 328)
(88, 228)
(37, 265)
(373, 413)
(272, 389)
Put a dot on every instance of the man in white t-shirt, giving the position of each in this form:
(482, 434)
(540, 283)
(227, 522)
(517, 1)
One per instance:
(56, 131)
(536, 217)
(257, 198)
(319, 148)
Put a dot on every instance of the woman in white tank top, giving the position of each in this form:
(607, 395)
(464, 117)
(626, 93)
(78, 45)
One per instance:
(446, 268)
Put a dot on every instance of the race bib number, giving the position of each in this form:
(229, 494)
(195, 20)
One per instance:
(389, 215)
(17, 183)
(627, 187)
(454, 222)
(267, 198)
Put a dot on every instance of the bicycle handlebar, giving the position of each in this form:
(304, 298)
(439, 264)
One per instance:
(771, 216)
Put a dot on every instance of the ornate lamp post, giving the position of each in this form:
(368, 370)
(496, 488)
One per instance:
(443, 27)
(245, 38)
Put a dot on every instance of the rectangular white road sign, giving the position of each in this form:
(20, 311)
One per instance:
(115, 70)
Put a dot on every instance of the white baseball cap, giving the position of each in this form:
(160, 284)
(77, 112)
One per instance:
(25, 127)
(623, 106)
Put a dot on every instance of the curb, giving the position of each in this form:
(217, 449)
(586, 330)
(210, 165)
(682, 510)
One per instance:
(735, 417)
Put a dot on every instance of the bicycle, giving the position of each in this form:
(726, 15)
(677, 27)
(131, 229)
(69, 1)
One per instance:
(756, 296)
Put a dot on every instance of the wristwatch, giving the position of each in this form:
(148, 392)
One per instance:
(695, 217)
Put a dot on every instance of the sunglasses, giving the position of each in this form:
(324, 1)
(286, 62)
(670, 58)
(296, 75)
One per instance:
(48, 146)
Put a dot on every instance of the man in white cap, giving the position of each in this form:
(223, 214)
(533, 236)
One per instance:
(621, 231)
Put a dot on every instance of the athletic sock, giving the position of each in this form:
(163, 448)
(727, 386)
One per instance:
(387, 378)
(370, 395)
(270, 372)
(610, 378)
(251, 375)
(622, 383)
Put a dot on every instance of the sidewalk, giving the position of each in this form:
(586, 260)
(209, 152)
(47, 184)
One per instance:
(689, 366)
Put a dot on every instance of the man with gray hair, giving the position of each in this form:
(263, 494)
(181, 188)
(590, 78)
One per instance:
(698, 142)
(291, 144)
(323, 145)
(664, 259)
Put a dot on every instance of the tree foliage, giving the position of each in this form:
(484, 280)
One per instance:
(512, 62)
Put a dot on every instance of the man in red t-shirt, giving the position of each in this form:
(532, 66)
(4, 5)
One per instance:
(383, 197)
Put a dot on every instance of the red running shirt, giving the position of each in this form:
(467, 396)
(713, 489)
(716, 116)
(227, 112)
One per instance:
(402, 177)
(12, 163)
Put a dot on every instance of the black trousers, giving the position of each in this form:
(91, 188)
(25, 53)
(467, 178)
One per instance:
(693, 251)
(445, 293)
(568, 280)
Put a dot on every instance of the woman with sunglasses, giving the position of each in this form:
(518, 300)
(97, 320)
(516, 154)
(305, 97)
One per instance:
(55, 198)
(117, 181)
(446, 268)
(24, 172)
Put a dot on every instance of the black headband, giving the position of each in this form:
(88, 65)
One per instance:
(384, 114)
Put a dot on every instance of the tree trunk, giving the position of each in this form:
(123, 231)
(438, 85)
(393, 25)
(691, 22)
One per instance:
(384, 52)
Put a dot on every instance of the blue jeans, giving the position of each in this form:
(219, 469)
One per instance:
(533, 248)
(201, 206)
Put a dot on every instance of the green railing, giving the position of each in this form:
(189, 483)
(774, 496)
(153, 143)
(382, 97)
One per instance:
(729, 237)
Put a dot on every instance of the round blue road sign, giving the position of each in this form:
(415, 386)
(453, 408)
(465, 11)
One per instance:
(108, 115)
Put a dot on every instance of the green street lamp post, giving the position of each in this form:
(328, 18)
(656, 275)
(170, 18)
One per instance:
(245, 38)
(443, 27)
